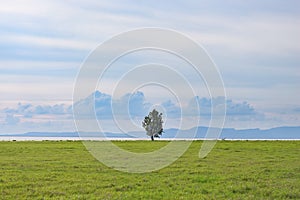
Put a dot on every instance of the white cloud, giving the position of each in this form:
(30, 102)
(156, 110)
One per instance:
(29, 110)
(262, 35)
(129, 105)
(46, 42)
(134, 105)
(33, 65)
(21, 88)
(239, 114)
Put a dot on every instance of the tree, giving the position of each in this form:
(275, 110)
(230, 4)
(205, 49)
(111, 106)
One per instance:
(153, 124)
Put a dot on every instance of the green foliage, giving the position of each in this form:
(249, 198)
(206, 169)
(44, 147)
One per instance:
(153, 124)
(233, 170)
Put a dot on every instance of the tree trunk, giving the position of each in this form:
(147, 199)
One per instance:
(152, 137)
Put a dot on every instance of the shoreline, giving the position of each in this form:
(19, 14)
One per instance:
(17, 138)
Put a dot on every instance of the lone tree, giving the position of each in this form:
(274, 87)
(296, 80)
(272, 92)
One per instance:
(153, 124)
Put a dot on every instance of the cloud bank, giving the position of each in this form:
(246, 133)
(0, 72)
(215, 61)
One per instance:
(129, 106)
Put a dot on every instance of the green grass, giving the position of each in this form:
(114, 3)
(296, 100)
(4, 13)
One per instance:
(233, 170)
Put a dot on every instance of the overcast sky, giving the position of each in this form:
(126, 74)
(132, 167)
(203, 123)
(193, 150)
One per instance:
(255, 45)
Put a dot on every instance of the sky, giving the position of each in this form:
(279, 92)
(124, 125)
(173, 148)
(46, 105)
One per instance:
(255, 45)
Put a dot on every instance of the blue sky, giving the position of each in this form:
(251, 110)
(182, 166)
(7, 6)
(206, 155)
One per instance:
(255, 45)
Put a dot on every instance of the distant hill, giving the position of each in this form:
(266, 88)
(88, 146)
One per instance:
(196, 132)
(68, 134)
(231, 133)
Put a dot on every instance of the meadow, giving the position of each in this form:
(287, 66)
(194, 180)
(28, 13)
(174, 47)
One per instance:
(232, 170)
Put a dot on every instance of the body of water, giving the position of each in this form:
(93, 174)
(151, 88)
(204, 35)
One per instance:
(20, 138)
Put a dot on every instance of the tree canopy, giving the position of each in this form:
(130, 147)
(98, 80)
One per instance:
(153, 124)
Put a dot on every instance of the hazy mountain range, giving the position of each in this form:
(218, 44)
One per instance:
(197, 132)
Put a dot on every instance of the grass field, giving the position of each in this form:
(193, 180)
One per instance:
(233, 170)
